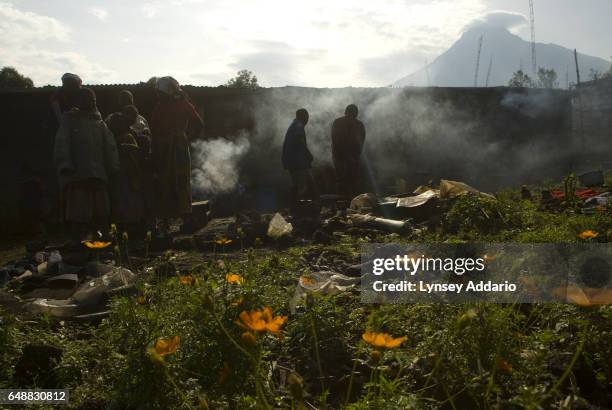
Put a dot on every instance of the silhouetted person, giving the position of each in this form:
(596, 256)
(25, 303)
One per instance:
(171, 121)
(133, 196)
(348, 138)
(297, 158)
(66, 98)
(86, 158)
(127, 192)
(140, 125)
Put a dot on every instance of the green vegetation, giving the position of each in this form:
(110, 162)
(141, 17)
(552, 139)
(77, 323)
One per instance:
(547, 78)
(10, 78)
(244, 79)
(454, 356)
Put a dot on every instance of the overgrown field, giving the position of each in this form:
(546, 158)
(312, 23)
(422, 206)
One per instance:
(183, 340)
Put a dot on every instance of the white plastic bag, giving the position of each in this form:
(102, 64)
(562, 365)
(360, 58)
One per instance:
(279, 227)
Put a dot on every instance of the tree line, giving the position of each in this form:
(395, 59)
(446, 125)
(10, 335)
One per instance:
(11, 79)
(547, 78)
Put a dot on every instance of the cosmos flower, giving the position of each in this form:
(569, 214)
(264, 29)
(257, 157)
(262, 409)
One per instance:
(165, 346)
(588, 234)
(261, 321)
(96, 244)
(187, 279)
(307, 280)
(233, 278)
(382, 340)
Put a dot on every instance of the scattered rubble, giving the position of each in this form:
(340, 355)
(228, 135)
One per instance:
(90, 297)
(64, 283)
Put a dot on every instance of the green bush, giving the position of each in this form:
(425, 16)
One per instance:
(486, 216)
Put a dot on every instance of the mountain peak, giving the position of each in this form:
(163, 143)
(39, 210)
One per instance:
(502, 50)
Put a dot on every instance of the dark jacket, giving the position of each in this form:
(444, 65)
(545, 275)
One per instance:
(348, 137)
(296, 154)
(84, 148)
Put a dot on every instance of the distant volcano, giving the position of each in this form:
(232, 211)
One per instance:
(456, 66)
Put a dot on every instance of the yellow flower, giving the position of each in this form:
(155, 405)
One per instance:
(223, 241)
(261, 321)
(273, 323)
(166, 346)
(252, 321)
(141, 300)
(588, 234)
(382, 340)
(307, 280)
(187, 279)
(583, 296)
(96, 244)
(233, 278)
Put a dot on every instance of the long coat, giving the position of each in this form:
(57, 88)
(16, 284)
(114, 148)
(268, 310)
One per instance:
(84, 148)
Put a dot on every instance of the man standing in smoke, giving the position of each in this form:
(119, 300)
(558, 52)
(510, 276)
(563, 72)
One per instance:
(297, 158)
(348, 137)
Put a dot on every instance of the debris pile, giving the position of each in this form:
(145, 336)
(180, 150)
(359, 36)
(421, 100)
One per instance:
(68, 283)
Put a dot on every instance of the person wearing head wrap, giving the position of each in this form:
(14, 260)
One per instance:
(85, 155)
(348, 137)
(172, 120)
(65, 98)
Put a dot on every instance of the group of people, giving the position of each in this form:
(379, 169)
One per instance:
(137, 173)
(347, 141)
(123, 168)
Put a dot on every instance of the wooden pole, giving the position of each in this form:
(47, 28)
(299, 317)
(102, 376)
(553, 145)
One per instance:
(579, 98)
(577, 67)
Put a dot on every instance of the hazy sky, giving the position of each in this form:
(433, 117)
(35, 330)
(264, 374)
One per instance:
(320, 43)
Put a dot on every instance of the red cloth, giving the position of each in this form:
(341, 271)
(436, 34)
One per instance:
(169, 120)
(581, 193)
(170, 153)
(172, 118)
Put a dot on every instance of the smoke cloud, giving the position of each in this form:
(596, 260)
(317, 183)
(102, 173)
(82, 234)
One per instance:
(215, 167)
(489, 138)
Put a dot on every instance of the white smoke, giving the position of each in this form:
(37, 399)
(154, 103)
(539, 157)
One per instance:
(215, 164)
(414, 134)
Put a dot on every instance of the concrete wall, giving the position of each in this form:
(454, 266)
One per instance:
(592, 122)
(489, 137)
